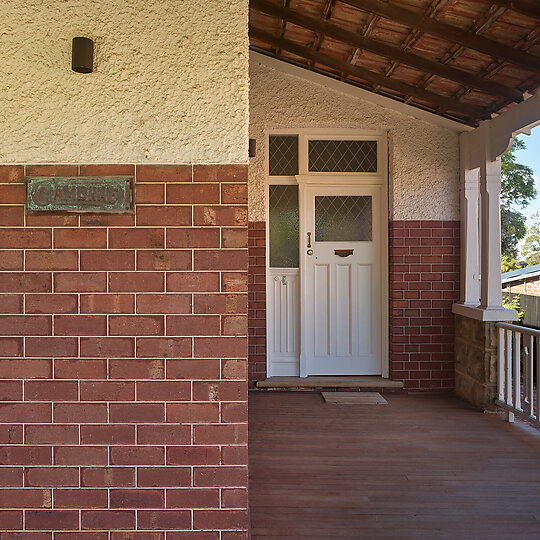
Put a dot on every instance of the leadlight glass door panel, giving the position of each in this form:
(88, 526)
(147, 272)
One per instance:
(342, 218)
(283, 286)
(283, 155)
(342, 280)
(342, 156)
(283, 226)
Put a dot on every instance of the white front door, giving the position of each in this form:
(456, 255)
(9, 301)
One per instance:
(340, 262)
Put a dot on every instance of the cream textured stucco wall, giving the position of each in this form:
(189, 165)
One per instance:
(170, 81)
(424, 157)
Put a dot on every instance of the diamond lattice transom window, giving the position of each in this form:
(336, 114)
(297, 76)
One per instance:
(283, 155)
(342, 156)
(343, 218)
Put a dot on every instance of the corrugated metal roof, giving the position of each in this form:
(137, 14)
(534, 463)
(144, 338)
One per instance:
(522, 272)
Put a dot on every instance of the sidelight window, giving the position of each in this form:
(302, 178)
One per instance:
(283, 226)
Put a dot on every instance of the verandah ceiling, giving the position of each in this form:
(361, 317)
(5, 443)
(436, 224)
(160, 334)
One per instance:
(462, 59)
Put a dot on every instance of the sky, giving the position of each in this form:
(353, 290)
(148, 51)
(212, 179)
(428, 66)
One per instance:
(531, 157)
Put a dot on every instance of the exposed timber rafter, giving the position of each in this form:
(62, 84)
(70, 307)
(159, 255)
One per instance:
(480, 26)
(327, 13)
(448, 32)
(525, 7)
(525, 43)
(366, 31)
(353, 39)
(286, 4)
(415, 35)
(437, 100)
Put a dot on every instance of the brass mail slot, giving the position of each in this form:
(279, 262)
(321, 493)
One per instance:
(343, 252)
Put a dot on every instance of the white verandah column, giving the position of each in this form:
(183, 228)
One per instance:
(481, 285)
(481, 299)
(480, 307)
(490, 192)
(470, 238)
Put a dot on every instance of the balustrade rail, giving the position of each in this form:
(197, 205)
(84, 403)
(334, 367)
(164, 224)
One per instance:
(519, 369)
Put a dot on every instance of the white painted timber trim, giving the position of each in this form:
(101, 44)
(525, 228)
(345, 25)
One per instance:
(470, 237)
(378, 179)
(486, 315)
(522, 277)
(519, 119)
(480, 153)
(358, 93)
(490, 234)
(492, 138)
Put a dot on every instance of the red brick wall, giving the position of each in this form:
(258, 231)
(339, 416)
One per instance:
(257, 301)
(530, 286)
(424, 283)
(123, 359)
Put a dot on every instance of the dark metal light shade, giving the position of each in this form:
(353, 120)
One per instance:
(82, 55)
(252, 147)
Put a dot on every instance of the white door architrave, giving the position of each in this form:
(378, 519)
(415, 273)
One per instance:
(356, 345)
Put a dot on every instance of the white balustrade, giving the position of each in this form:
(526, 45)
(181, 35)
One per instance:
(519, 372)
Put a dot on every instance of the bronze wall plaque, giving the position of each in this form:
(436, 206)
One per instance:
(105, 195)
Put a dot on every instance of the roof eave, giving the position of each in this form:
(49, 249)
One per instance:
(359, 93)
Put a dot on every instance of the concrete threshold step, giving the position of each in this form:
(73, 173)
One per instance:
(329, 382)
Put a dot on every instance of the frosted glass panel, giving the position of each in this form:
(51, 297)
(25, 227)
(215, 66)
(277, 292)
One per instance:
(343, 218)
(283, 155)
(342, 156)
(284, 226)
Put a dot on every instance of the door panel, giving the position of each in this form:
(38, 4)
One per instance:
(365, 313)
(341, 280)
(343, 218)
(322, 311)
(283, 343)
(283, 278)
(343, 310)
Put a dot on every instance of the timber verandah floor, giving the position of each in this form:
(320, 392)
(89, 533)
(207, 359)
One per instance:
(423, 466)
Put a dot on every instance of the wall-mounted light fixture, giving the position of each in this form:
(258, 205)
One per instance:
(252, 147)
(82, 55)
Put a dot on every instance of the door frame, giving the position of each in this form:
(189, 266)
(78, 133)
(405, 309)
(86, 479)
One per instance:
(380, 178)
(310, 361)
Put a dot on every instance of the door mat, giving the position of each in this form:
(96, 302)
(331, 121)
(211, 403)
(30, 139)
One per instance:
(354, 398)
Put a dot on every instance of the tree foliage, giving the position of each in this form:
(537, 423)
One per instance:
(517, 190)
(510, 301)
(517, 181)
(513, 229)
(533, 259)
(531, 246)
(507, 264)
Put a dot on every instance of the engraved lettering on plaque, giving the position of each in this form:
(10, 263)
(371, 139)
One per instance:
(106, 195)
